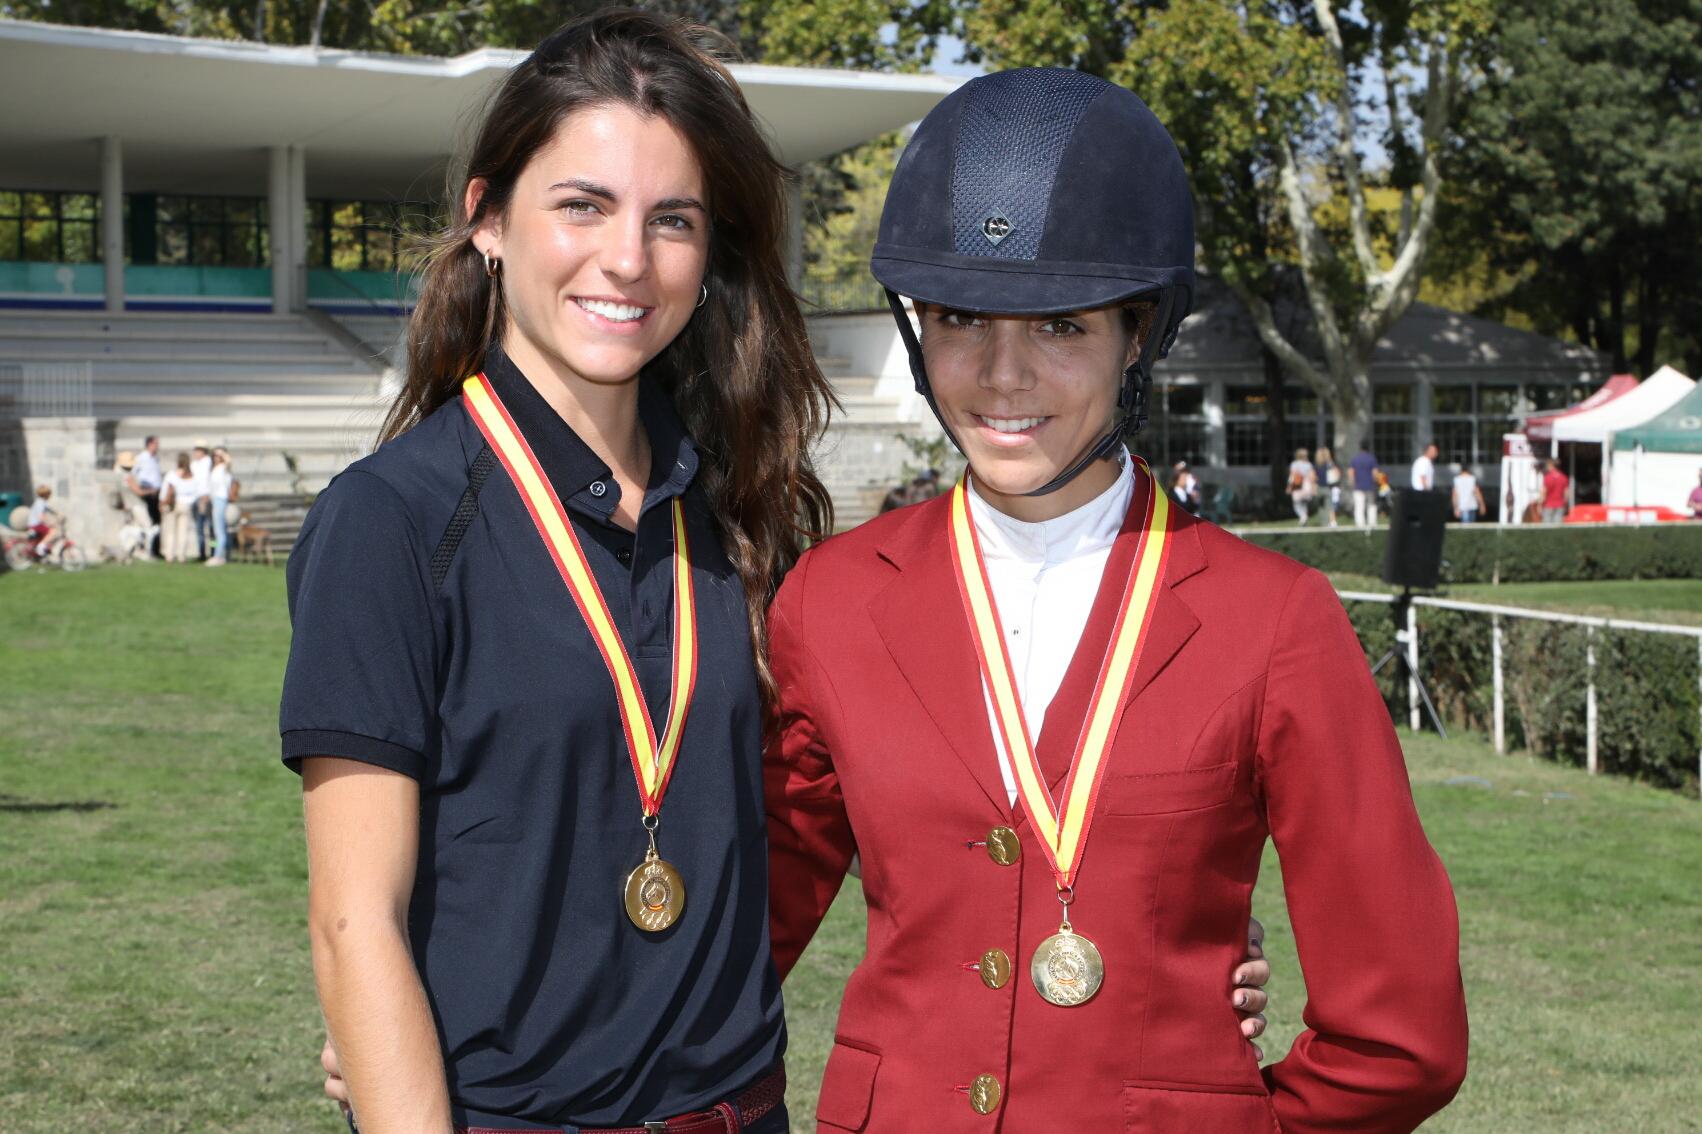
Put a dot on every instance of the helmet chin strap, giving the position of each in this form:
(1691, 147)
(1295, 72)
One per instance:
(1132, 396)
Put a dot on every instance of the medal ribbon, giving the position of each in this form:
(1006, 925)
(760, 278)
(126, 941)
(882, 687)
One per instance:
(1062, 835)
(652, 760)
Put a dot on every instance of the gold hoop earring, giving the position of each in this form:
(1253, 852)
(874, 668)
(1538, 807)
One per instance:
(492, 265)
(704, 298)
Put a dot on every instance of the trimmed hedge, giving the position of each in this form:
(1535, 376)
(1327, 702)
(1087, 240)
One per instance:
(1647, 702)
(1490, 554)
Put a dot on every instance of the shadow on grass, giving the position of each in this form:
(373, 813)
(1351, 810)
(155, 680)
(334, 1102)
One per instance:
(17, 805)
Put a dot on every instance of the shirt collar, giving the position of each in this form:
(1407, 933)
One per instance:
(1092, 527)
(579, 476)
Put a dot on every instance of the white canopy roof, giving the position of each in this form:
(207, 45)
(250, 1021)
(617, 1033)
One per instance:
(1652, 396)
(195, 115)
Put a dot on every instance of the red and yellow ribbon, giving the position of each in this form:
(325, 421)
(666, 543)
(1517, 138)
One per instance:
(1063, 834)
(653, 760)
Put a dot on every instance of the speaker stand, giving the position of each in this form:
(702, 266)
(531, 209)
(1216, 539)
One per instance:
(1402, 604)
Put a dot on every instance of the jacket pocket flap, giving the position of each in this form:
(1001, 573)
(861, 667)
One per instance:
(1196, 1109)
(1154, 794)
(847, 1087)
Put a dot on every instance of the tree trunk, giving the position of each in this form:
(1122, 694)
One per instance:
(1352, 413)
(319, 23)
(1613, 332)
(1648, 319)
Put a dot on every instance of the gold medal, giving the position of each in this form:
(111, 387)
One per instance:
(1067, 969)
(655, 894)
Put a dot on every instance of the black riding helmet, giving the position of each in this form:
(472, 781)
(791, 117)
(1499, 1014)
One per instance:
(1039, 192)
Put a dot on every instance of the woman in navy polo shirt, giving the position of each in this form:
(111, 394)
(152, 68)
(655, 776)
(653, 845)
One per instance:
(537, 881)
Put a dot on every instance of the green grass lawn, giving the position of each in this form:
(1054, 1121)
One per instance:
(153, 963)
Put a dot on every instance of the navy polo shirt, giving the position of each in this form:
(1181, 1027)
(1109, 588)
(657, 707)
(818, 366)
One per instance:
(551, 1006)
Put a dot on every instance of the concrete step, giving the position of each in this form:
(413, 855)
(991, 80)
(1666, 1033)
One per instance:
(31, 346)
(105, 322)
(190, 363)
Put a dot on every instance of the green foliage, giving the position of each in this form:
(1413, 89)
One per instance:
(1647, 701)
(1492, 553)
(1582, 152)
(928, 453)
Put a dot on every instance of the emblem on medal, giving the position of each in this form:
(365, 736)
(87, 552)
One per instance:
(1067, 969)
(655, 894)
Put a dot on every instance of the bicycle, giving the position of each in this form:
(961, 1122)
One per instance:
(21, 553)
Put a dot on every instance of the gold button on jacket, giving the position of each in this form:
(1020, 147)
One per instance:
(984, 1094)
(995, 968)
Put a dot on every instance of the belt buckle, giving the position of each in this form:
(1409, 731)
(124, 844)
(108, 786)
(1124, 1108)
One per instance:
(655, 1128)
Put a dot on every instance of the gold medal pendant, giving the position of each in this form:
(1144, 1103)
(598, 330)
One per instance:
(1067, 968)
(655, 894)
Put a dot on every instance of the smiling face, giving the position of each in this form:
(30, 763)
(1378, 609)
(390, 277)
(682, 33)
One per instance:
(604, 246)
(1026, 396)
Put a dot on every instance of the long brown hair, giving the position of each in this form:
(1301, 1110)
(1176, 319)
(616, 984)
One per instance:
(742, 373)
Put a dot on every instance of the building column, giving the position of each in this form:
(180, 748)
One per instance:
(278, 227)
(795, 233)
(296, 193)
(1217, 433)
(112, 220)
(1423, 407)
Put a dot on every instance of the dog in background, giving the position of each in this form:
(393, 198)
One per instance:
(253, 541)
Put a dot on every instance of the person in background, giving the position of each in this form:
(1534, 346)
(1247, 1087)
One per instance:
(1185, 486)
(1302, 485)
(178, 501)
(201, 466)
(222, 488)
(1365, 469)
(46, 525)
(1468, 495)
(1329, 483)
(1424, 469)
(1695, 500)
(1555, 485)
(146, 481)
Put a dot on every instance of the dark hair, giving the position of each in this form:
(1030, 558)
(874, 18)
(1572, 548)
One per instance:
(742, 373)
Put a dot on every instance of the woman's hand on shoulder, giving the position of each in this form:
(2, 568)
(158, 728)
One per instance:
(1248, 987)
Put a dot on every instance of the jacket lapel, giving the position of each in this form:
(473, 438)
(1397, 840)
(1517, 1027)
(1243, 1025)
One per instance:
(1173, 623)
(920, 617)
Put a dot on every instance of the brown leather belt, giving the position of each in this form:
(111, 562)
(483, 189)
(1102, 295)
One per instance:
(751, 1105)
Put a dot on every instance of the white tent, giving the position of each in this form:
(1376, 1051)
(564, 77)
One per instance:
(1652, 396)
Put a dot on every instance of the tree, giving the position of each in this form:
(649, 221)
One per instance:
(1583, 146)
(1295, 85)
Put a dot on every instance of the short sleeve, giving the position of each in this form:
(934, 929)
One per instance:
(362, 676)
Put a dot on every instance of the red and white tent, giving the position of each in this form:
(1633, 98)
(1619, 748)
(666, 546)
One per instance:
(1539, 427)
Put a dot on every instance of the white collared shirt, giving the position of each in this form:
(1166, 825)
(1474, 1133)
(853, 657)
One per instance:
(1045, 577)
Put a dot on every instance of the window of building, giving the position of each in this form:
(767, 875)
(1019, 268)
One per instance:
(1392, 439)
(367, 236)
(1245, 441)
(1176, 426)
(46, 227)
(206, 231)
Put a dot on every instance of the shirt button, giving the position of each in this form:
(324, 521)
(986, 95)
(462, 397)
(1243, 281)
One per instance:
(995, 968)
(625, 556)
(599, 489)
(1003, 847)
(984, 1094)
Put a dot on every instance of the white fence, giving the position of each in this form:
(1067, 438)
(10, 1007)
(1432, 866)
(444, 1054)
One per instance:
(1409, 639)
(47, 389)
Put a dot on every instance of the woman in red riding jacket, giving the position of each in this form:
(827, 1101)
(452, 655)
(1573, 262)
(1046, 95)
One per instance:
(1058, 717)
